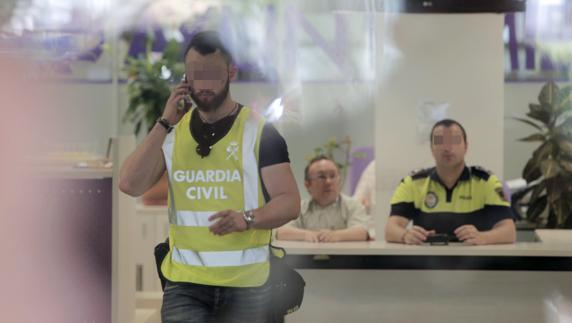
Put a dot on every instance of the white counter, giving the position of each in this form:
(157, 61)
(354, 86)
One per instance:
(554, 243)
(387, 282)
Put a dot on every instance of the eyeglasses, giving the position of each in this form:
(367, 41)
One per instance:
(323, 178)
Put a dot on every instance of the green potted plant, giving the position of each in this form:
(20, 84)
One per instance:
(149, 82)
(549, 170)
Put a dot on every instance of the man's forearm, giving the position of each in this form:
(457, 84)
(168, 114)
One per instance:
(145, 165)
(352, 234)
(291, 233)
(279, 211)
(501, 233)
(394, 232)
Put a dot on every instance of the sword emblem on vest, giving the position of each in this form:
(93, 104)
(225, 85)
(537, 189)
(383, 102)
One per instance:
(232, 150)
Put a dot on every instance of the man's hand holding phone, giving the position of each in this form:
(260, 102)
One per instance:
(178, 103)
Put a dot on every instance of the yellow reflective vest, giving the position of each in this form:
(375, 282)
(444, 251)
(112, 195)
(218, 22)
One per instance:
(228, 178)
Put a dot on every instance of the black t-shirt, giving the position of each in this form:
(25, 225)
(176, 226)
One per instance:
(273, 149)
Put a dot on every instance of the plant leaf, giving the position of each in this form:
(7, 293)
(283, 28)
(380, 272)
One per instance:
(549, 168)
(551, 219)
(564, 102)
(528, 122)
(538, 190)
(172, 52)
(543, 151)
(565, 145)
(536, 208)
(569, 199)
(566, 125)
(567, 165)
(549, 93)
(534, 137)
(137, 128)
(564, 213)
(147, 91)
(540, 115)
(554, 190)
(558, 209)
(531, 171)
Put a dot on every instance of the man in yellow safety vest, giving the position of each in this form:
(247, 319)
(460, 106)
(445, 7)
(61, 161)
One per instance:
(230, 183)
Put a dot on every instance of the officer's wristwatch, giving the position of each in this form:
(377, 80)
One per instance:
(248, 218)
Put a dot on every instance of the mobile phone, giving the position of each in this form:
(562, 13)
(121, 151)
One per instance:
(185, 104)
(438, 239)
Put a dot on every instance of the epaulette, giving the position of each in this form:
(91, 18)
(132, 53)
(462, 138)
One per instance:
(421, 173)
(480, 172)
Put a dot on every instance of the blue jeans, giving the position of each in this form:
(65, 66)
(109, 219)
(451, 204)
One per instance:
(201, 303)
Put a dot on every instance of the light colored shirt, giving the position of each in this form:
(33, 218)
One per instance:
(344, 213)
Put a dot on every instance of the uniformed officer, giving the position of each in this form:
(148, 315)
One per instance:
(466, 203)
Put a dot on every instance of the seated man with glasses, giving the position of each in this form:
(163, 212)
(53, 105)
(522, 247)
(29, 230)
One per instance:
(328, 216)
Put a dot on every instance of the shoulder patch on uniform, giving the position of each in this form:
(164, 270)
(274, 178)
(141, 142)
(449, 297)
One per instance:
(500, 192)
(480, 172)
(421, 173)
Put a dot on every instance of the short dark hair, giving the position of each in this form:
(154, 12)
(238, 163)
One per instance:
(207, 42)
(315, 160)
(447, 123)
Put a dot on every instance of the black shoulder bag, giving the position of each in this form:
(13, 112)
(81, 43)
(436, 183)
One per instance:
(161, 251)
(287, 284)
